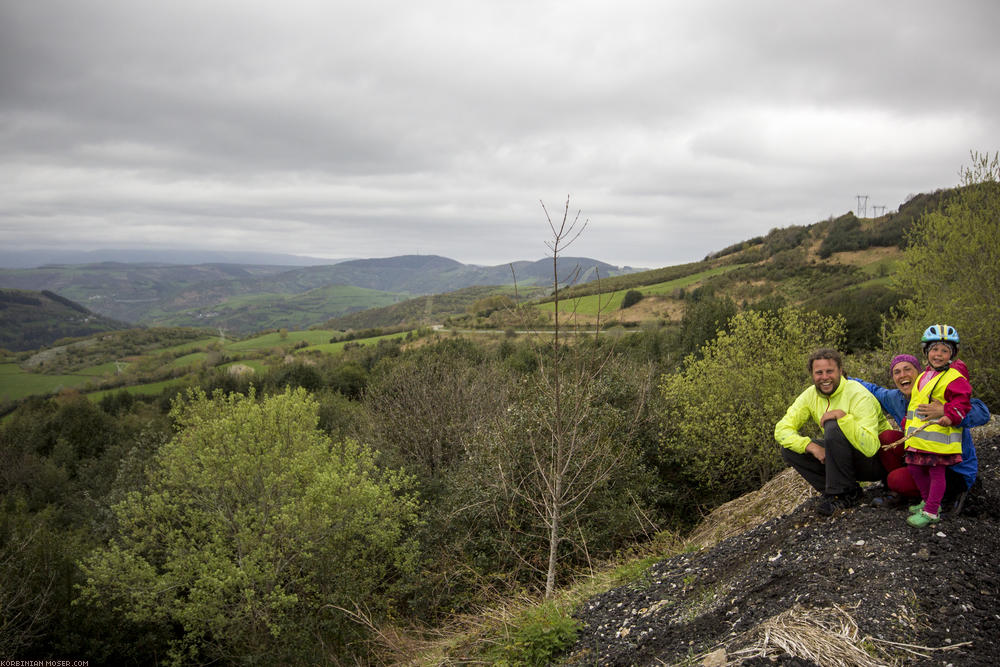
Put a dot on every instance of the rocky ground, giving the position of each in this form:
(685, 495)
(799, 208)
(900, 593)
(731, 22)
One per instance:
(859, 588)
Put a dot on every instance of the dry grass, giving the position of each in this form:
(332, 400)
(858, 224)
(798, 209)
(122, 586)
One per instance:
(779, 496)
(827, 636)
(466, 640)
(989, 430)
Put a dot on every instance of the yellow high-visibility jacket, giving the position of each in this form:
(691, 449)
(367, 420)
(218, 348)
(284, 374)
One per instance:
(861, 425)
(934, 438)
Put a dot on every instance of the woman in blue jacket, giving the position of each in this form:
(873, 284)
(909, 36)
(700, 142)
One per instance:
(905, 368)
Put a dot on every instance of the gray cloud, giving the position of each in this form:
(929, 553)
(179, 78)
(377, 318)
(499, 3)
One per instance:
(381, 128)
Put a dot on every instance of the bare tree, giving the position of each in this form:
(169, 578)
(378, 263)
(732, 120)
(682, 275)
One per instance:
(563, 440)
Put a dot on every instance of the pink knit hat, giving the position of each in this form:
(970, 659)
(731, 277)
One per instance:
(904, 357)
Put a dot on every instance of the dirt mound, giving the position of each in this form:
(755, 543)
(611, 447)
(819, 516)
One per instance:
(860, 588)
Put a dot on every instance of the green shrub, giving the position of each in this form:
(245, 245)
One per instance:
(631, 298)
(951, 274)
(703, 319)
(718, 413)
(253, 531)
(539, 636)
(845, 234)
(863, 310)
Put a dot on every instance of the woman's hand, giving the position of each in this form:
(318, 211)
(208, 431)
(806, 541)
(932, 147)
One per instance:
(931, 411)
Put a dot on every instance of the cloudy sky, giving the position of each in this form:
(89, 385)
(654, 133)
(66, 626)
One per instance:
(378, 128)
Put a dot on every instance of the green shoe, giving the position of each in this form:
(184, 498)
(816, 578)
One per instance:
(916, 509)
(922, 518)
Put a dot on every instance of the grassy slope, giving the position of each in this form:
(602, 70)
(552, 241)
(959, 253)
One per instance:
(612, 300)
(16, 384)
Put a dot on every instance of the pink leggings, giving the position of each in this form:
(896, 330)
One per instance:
(931, 482)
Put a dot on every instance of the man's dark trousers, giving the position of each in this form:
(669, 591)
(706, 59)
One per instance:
(844, 466)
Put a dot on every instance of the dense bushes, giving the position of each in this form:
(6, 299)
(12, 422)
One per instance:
(951, 274)
(704, 318)
(863, 310)
(844, 234)
(254, 532)
(719, 412)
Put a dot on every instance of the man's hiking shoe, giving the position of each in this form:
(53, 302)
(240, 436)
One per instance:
(918, 508)
(922, 518)
(833, 502)
(886, 499)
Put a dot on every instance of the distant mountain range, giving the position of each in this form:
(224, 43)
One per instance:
(238, 296)
(29, 259)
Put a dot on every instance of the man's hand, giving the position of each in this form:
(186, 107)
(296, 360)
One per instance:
(817, 450)
(832, 414)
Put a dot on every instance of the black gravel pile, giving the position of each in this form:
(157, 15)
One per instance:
(935, 587)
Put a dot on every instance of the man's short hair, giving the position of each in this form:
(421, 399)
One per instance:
(825, 353)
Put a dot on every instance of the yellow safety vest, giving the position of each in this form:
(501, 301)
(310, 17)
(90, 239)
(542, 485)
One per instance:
(934, 438)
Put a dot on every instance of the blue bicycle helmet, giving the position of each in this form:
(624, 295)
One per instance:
(940, 333)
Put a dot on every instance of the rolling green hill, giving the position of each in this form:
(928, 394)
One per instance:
(30, 320)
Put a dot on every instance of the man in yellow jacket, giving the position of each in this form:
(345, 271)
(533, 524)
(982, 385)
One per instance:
(850, 418)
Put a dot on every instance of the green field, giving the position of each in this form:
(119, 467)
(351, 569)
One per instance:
(190, 347)
(16, 384)
(337, 348)
(272, 340)
(671, 285)
(109, 368)
(188, 359)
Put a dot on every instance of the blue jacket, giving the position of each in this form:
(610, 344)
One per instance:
(895, 403)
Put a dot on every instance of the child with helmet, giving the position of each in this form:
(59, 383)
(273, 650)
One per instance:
(939, 402)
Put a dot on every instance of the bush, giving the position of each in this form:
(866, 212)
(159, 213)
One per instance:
(631, 298)
(863, 310)
(252, 533)
(703, 319)
(540, 635)
(845, 234)
(785, 238)
(718, 413)
(951, 274)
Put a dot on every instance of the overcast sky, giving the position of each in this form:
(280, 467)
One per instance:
(377, 128)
